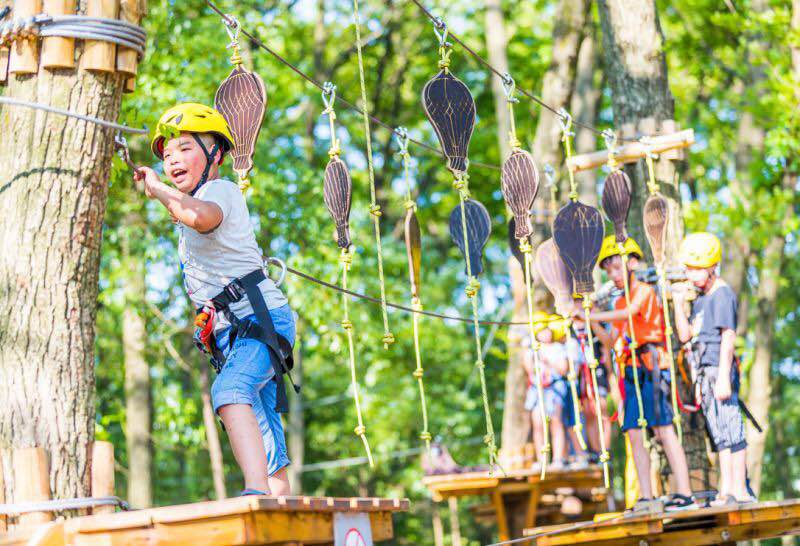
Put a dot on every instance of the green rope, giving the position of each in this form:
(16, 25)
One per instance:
(592, 358)
(374, 207)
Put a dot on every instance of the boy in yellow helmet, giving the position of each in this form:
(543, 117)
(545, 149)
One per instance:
(246, 323)
(711, 327)
(651, 368)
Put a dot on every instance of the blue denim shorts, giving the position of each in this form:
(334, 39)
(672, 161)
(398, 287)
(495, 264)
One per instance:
(656, 398)
(246, 378)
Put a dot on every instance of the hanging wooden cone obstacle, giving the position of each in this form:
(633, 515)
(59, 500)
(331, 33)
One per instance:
(337, 192)
(578, 235)
(520, 184)
(617, 202)
(656, 215)
(450, 108)
(479, 227)
(242, 99)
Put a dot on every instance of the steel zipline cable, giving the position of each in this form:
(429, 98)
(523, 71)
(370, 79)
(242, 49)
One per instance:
(352, 106)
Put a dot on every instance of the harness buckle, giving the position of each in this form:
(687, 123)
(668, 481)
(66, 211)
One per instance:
(234, 291)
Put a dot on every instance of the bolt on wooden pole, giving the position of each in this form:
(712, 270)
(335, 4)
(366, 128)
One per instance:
(24, 58)
(100, 56)
(58, 52)
(103, 474)
(31, 482)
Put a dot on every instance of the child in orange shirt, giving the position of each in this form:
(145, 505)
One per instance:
(654, 380)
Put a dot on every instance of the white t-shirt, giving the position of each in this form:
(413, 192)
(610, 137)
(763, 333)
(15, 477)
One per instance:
(209, 261)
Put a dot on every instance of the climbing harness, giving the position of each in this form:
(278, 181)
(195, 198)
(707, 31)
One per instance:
(655, 194)
(374, 207)
(414, 256)
(622, 250)
(82, 27)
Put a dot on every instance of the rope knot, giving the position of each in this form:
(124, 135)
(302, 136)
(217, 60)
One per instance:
(633, 345)
(668, 331)
(418, 373)
(525, 246)
(416, 304)
(489, 439)
(347, 324)
(572, 376)
(387, 339)
(409, 204)
(641, 422)
(375, 210)
(425, 435)
(244, 184)
(360, 430)
(605, 457)
(472, 287)
(545, 449)
(480, 364)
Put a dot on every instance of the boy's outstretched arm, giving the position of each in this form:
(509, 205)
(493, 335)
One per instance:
(201, 216)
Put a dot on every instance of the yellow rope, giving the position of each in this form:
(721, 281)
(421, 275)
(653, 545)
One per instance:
(653, 188)
(374, 207)
(416, 303)
(346, 259)
(592, 360)
(536, 346)
(572, 377)
(472, 288)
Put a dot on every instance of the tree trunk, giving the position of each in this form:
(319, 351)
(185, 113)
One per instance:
(585, 101)
(138, 408)
(636, 68)
(496, 49)
(55, 173)
(212, 434)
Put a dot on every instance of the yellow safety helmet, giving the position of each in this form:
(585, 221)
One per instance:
(700, 250)
(191, 117)
(541, 321)
(558, 326)
(611, 248)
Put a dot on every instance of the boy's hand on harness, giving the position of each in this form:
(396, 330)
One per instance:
(722, 388)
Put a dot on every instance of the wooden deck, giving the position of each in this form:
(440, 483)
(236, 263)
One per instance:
(232, 522)
(505, 491)
(719, 525)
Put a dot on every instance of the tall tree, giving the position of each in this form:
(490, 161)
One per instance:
(55, 174)
(585, 102)
(636, 68)
(138, 404)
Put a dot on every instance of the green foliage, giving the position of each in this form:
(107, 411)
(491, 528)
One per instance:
(187, 59)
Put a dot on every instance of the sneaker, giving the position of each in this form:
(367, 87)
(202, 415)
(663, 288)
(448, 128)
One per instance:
(556, 465)
(723, 500)
(642, 506)
(677, 502)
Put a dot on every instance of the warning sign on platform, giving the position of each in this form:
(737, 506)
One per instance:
(351, 529)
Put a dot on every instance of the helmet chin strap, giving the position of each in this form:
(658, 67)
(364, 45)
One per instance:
(209, 161)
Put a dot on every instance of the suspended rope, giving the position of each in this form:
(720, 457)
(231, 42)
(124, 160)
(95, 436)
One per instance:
(613, 165)
(446, 98)
(338, 194)
(592, 360)
(440, 23)
(258, 42)
(565, 120)
(374, 207)
(527, 251)
(413, 251)
(83, 117)
(659, 256)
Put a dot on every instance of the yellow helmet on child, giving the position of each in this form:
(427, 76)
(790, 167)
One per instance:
(700, 250)
(191, 117)
(611, 248)
(558, 325)
(541, 320)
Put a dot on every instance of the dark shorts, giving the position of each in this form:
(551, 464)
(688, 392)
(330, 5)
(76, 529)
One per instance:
(656, 401)
(723, 419)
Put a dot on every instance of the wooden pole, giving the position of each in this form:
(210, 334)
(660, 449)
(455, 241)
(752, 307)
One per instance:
(130, 83)
(633, 151)
(455, 526)
(100, 56)
(58, 52)
(3, 522)
(103, 474)
(127, 57)
(31, 482)
(24, 57)
(438, 530)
